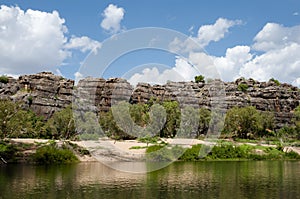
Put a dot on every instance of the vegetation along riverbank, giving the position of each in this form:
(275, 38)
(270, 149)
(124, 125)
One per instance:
(255, 111)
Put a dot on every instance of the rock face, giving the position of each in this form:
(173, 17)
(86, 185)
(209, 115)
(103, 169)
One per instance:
(102, 93)
(46, 93)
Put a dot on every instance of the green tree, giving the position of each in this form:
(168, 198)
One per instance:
(8, 111)
(296, 120)
(87, 125)
(199, 78)
(109, 125)
(140, 114)
(173, 119)
(189, 123)
(18, 122)
(246, 122)
(204, 120)
(62, 124)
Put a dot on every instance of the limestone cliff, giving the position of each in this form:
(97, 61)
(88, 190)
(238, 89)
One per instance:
(46, 93)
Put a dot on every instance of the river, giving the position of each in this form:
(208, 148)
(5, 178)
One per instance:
(215, 179)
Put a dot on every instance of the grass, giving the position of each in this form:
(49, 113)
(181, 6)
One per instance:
(163, 153)
(223, 151)
(138, 147)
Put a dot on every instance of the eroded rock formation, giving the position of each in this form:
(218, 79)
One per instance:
(46, 93)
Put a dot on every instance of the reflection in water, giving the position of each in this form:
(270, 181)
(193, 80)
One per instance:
(249, 179)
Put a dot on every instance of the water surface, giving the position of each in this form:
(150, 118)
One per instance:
(246, 179)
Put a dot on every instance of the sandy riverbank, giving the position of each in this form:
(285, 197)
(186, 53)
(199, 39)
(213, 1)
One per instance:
(107, 150)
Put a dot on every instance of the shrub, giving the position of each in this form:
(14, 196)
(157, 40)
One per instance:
(199, 78)
(16, 122)
(296, 120)
(51, 154)
(172, 123)
(7, 151)
(243, 87)
(160, 153)
(275, 81)
(247, 122)
(3, 79)
(154, 148)
(292, 155)
(79, 149)
(191, 154)
(62, 124)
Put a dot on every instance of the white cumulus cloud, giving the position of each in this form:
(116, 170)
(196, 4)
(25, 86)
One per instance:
(83, 44)
(275, 36)
(282, 64)
(113, 16)
(279, 57)
(215, 32)
(281, 54)
(32, 41)
(230, 65)
(206, 34)
(182, 71)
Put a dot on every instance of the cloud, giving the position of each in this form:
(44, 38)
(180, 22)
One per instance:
(230, 65)
(296, 82)
(296, 13)
(206, 34)
(84, 44)
(32, 41)
(281, 54)
(113, 16)
(274, 36)
(280, 58)
(215, 32)
(191, 30)
(182, 71)
(282, 64)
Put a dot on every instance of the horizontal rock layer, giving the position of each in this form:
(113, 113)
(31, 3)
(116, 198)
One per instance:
(46, 93)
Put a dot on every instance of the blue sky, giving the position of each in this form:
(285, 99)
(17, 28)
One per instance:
(258, 39)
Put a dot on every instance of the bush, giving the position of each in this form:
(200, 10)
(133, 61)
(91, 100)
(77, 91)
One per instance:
(51, 154)
(243, 87)
(3, 79)
(191, 154)
(161, 153)
(275, 81)
(296, 120)
(247, 122)
(16, 122)
(292, 155)
(7, 151)
(199, 78)
(287, 132)
(79, 149)
(154, 148)
(62, 124)
(172, 123)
